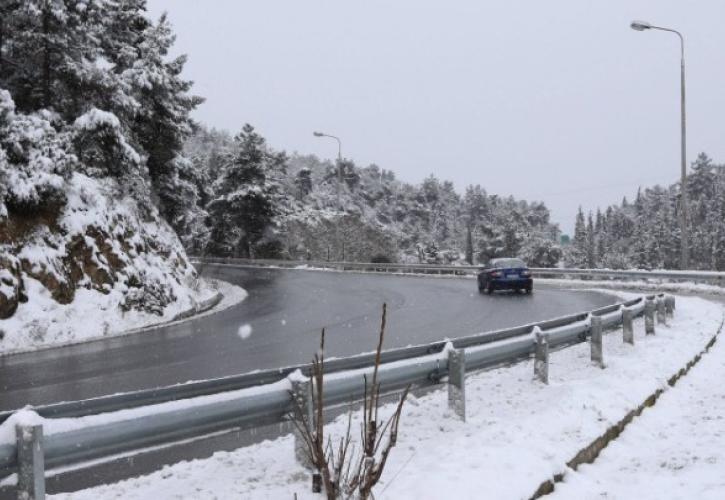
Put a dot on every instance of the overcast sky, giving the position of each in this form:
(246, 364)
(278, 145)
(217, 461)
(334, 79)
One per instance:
(557, 101)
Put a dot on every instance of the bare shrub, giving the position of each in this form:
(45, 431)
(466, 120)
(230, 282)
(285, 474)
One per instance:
(340, 469)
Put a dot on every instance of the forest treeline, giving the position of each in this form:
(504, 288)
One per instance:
(252, 201)
(645, 233)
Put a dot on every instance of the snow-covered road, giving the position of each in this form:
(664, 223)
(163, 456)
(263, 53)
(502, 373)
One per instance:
(519, 432)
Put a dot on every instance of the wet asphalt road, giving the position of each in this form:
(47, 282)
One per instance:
(286, 310)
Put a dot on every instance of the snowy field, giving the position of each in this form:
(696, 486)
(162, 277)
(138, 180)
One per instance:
(519, 432)
(45, 323)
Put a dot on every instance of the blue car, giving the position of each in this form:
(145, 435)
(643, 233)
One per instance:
(505, 274)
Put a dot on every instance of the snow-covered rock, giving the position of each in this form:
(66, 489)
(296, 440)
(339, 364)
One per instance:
(101, 264)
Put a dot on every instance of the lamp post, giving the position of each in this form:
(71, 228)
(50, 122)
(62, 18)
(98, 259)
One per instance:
(684, 238)
(339, 180)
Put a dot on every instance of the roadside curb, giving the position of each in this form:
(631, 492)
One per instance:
(589, 454)
(200, 308)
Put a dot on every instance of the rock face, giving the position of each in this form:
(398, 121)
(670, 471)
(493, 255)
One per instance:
(12, 291)
(97, 241)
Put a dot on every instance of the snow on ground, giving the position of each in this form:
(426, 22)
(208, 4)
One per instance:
(44, 322)
(674, 450)
(654, 285)
(519, 432)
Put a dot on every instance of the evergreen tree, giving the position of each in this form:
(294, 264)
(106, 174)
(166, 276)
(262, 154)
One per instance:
(243, 207)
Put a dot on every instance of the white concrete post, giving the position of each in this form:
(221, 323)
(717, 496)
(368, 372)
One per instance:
(649, 317)
(457, 382)
(597, 353)
(302, 394)
(541, 356)
(627, 329)
(661, 315)
(670, 306)
(31, 462)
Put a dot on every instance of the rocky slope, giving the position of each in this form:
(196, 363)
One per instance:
(100, 263)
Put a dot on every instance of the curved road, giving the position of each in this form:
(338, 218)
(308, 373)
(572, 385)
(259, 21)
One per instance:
(286, 310)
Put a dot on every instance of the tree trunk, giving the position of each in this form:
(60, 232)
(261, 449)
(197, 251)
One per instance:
(469, 246)
(46, 59)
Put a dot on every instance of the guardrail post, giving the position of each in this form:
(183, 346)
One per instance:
(31, 462)
(457, 382)
(649, 317)
(302, 394)
(661, 315)
(670, 306)
(541, 356)
(627, 330)
(597, 353)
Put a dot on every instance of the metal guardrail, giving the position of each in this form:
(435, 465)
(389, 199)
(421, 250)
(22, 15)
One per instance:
(710, 277)
(188, 390)
(255, 405)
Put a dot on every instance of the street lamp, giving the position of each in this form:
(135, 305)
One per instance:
(339, 177)
(684, 249)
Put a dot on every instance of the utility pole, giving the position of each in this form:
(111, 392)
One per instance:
(684, 236)
(339, 184)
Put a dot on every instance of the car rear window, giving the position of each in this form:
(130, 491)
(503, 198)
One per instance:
(507, 263)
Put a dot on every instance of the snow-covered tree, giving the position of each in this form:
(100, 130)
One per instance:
(243, 207)
(646, 233)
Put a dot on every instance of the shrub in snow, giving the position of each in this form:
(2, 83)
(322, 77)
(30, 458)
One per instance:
(34, 160)
(151, 296)
(101, 146)
(343, 470)
(540, 252)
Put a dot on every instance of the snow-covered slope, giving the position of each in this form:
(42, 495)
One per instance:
(100, 265)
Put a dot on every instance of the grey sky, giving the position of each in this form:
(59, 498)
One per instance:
(557, 101)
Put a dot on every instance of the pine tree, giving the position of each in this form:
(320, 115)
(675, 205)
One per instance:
(48, 51)
(243, 208)
(304, 182)
(163, 121)
(590, 244)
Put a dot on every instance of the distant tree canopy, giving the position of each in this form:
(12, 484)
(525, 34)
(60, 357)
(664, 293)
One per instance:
(646, 233)
(87, 85)
(262, 203)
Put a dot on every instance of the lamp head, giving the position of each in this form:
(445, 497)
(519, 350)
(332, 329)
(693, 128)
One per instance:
(640, 25)
(317, 134)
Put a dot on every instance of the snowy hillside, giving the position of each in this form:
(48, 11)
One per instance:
(93, 116)
(97, 267)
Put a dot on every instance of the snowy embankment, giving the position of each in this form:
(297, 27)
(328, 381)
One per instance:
(101, 266)
(93, 316)
(519, 433)
(639, 285)
(674, 450)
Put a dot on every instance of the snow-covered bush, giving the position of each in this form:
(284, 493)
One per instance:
(101, 146)
(34, 159)
(540, 252)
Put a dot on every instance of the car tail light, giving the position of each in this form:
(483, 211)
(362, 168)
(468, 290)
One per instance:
(495, 274)
(526, 272)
